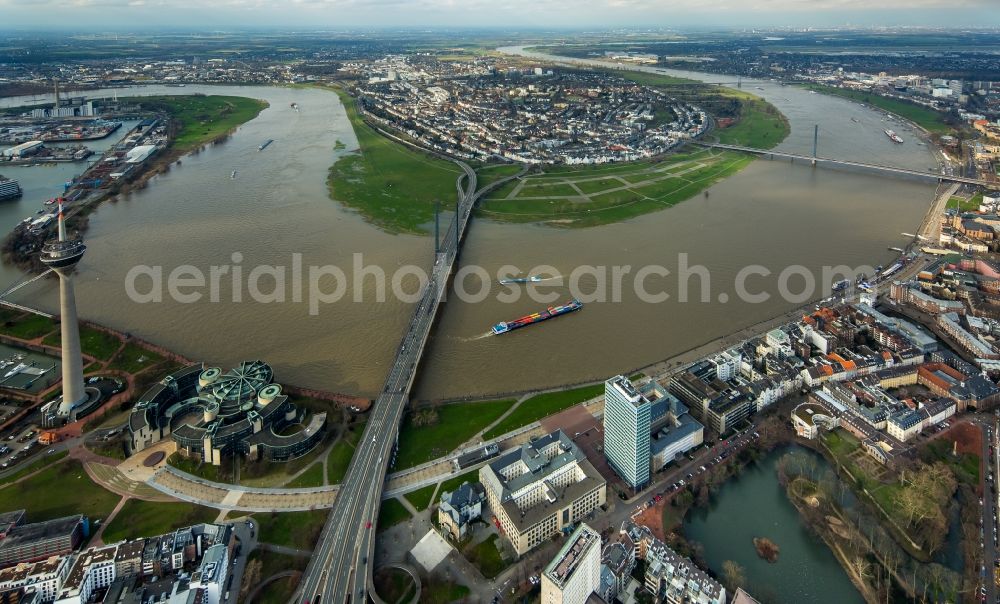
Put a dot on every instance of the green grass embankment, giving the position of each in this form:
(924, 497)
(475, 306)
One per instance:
(203, 118)
(928, 119)
(393, 186)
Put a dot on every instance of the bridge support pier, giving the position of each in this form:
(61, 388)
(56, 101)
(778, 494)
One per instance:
(815, 143)
(437, 228)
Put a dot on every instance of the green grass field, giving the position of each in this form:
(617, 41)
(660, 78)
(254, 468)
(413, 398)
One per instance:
(930, 120)
(282, 590)
(421, 498)
(543, 405)
(35, 465)
(760, 126)
(134, 358)
(94, 342)
(202, 118)
(394, 585)
(26, 326)
(610, 193)
(341, 454)
(456, 424)
(456, 481)
(965, 466)
(486, 557)
(392, 513)
(60, 490)
(443, 592)
(298, 530)
(139, 518)
(313, 477)
(391, 185)
(492, 173)
(963, 204)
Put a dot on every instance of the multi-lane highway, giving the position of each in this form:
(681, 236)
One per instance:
(339, 569)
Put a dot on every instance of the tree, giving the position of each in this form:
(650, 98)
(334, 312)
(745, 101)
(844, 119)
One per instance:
(733, 575)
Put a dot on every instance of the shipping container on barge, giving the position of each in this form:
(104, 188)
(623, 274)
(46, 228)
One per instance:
(538, 317)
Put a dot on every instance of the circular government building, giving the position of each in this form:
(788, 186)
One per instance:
(211, 414)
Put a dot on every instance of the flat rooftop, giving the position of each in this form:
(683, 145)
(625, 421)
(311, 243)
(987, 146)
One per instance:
(40, 531)
(573, 551)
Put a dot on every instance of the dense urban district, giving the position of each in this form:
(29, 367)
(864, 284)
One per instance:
(131, 474)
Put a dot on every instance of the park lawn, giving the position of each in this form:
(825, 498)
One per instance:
(313, 477)
(966, 205)
(94, 342)
(134, 358)
(965, 466)
(486, 175)
(202, 118)
(391, 185)
(601, 184)
(282, 590)
(486, 557)
(298, 530)
(928, 119)
(341, 454)
(661, 190)
(139, 518)
(92, 367)
(543, 405)
(393, 585)
(392, 513)
(841, 443)
(35, 465)
(194, 467)
(456, 424)
(533, 188)
(26, 326)
(262, 473)
(456, 481)
(63, 489)
(421, 498)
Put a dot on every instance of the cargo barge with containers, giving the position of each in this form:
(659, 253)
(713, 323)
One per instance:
(549, 313)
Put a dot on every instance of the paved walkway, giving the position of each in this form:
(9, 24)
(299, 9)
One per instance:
(98, 539)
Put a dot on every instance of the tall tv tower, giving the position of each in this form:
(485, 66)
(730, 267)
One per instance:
(62, 255)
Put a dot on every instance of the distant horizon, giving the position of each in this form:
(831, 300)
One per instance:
(502, 15)
(495, 29)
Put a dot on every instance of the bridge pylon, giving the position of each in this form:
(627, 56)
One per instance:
(815, 143)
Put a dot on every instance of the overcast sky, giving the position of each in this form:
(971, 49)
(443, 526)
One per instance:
(316, 14)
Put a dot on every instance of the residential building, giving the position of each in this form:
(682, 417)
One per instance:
(41, 540)
(670, 577)
(459, 508)
(575, 573)
(93, 570)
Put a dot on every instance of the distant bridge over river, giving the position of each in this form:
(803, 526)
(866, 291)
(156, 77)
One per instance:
(829, 161)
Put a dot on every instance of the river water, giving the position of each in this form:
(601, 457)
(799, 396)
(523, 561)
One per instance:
(772, 213)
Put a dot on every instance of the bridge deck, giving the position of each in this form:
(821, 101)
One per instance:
(339, 570)
(853, 164)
